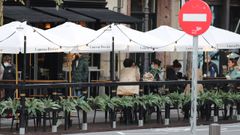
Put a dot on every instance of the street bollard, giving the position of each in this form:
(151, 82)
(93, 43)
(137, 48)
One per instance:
(214, 129)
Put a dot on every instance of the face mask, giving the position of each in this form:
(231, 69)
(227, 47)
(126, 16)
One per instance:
(6, 64)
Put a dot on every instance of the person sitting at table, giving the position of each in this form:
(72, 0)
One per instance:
(233, 73)
(157, 73)
(156, 70)
(128, 74)
(233, 68)
(209, 68)
(172, 73)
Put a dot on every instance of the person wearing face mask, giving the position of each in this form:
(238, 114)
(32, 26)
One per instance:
(9, 73)
(157, 71)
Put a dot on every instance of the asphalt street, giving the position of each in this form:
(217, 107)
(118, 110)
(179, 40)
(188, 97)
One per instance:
(226, 129)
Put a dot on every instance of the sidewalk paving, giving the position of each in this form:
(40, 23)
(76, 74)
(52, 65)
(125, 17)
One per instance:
(226, 129)
(101, 126)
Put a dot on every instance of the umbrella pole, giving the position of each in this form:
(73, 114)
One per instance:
(70, 77)
(16, 61)
(23, 94)
(112, 66)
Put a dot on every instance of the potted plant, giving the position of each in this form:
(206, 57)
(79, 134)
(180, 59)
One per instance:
(34, 106)
(68, 104)
(83, 104)
(10, 106)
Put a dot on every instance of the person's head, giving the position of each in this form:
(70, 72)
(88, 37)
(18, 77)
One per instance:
(7, 59)
(77, 55)
(232, 59)
(156, 63)
(176, 65)
(232, 63)
(127, 62)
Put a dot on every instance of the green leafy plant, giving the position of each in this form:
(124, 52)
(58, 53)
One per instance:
(99, 102)
(215, 97)
(176, 98)
(68, 104)
(151, 100)
(138, 101)
(11, 105)
(127, 102)
(81, 103)
(115, 102)
(235, 97)
(50, 104)
(33, 106)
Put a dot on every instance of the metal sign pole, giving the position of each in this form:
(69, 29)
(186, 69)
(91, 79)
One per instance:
(194, 86)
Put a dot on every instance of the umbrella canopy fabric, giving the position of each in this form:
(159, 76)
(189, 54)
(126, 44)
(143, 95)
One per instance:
(37, 40)
(125, 40)
(223, 39)
(77, 35)
(178, 40)
(185, 44)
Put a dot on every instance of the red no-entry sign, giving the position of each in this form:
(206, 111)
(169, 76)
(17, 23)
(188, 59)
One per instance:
(195, 17)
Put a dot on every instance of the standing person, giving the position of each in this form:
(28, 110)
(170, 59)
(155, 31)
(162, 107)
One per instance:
(8, 74)
(128, 74)
(212, 70)
(79, 71)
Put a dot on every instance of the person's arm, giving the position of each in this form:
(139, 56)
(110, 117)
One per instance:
(85, 71)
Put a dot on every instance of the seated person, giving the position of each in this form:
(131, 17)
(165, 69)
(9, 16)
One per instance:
(157, 73)
(209, 68)
(128, 74)
(156, 70)
(172, 73)
(234, 69)
(232, 74)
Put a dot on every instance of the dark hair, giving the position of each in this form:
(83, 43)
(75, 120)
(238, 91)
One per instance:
(176, 64)
(6, 58)
(234, 61)
(127, 62)
(156, 61)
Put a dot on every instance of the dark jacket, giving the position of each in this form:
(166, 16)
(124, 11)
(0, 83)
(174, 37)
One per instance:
(9, 72)
(171, 73)
(211, 67)
(80, 72)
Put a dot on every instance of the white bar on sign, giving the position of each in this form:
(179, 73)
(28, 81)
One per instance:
(194, 17)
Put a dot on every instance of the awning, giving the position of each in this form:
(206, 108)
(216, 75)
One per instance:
(105, 15)
(21, 13)
(68, 15)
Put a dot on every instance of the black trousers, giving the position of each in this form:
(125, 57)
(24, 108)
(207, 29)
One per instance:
(9, 93)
